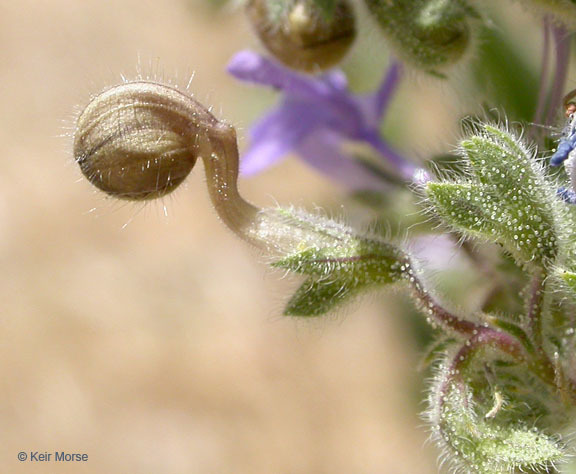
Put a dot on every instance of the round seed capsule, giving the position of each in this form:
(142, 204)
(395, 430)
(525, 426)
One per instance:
(138, 140)
(303, 37)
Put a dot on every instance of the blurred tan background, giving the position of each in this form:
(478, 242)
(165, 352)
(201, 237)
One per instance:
(148, 337)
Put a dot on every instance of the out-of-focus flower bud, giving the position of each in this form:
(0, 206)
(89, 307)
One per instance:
(429, 34)
(303, 36)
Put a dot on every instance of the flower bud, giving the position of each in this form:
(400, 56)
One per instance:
(138, 140)
(429, 34)
(303, 36)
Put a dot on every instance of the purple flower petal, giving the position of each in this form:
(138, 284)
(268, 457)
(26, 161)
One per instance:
(252, 67)
(405, 169)
(317, 115)
(328, 91)
(385, 92)
(337, 80)
(374, 105)
(278, 133)
(323, 151)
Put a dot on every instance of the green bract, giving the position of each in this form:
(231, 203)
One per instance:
(429, 34)
(507, 200)
(484, 444)
(338, 262)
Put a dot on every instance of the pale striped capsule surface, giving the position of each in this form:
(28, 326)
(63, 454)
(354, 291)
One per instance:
(138, 140)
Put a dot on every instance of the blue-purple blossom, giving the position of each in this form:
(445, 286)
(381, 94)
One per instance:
(567, 195)
(316, 118)
(566, 145)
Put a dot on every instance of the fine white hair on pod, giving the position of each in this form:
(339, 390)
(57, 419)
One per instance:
(138, 140)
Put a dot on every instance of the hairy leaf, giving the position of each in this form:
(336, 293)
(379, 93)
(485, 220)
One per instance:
(339, 264)
(468, 208)
(522, 207)
(317, 297)
(484, 445)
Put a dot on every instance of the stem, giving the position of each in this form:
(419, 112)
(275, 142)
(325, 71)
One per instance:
(544, 71)
(454, 372)
(439, 315)
(506, 337)
(534, 310)
(219, 150)
(463, 358)
(504, 342)
(562, 42)
(270, 230)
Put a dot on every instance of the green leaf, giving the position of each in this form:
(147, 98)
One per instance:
(514, 330)
(340, 265)
(468, 208)
(523, 203)
(483, 445)
(570, 279)
(317, 297)
(357, 258)
(566, 279)
(475, 211)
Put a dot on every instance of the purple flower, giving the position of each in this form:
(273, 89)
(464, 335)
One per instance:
(316, 117)
(567, 195)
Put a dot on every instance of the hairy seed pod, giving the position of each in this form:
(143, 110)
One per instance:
(138, 140)
(303, 36)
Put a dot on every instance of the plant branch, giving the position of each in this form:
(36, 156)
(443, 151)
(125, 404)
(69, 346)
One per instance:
(534, 309)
